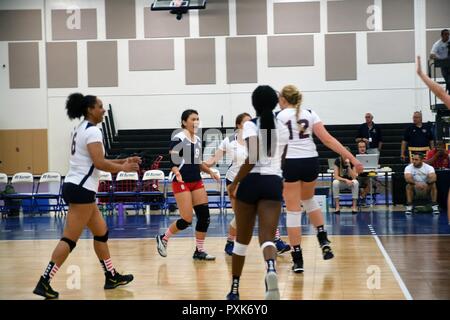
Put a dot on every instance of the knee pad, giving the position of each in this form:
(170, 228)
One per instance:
(233, 223)
(267, 244)
(310, 205)
(103, 238)
(72, 244)
(202, 213)
(293, 219)
(240, 249)
(182, 224)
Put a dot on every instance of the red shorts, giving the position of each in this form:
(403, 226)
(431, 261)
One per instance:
(178, 187)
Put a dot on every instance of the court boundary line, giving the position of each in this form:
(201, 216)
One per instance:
(391, 265)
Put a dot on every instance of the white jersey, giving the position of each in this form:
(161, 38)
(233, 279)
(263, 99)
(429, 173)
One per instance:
(267, 165)
(301, 145)
(419, 174)
(236, 152)
(82, 171)
(440, 49)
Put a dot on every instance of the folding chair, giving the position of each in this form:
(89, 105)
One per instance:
(48, 191)
(105, 192)
(3, 183)
(126, 191)
(214, 189)
(153, 189)
(413, 150)
(23, 185)
(169, 195)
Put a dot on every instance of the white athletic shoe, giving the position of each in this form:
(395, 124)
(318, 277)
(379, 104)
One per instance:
(161, 245)
(272, 292)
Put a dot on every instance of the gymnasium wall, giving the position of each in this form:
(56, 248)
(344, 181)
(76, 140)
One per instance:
(347, 56)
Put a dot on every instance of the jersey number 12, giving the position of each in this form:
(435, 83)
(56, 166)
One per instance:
(301, 135)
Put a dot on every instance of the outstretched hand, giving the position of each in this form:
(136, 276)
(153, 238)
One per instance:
(130, 166)
(134, 159)
(215, 176)
(358, 166)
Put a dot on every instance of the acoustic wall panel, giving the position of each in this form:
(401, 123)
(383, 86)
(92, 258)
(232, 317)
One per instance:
(62, 65)
(215, 20)
(241, 60)
(120, 17)
(146, 55)
(349, 15)
(290, 51)
(200, 57)
(340, 57)
(398, 14)
(390, 47)
(102, 64)
(296, 17)
(23, 65)
(162, 24)
(74, 25)
(20, 25)
(251, 17)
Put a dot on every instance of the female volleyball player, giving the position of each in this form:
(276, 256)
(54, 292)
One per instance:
(79, 189)
(234, 147)
(258, 189)
(301, 169)
(186, 162)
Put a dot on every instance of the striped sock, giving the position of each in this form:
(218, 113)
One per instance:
(50, 271)
(231, 238)
(235, 285)
(199, 244)
(167, 235)
(277, 234)
(107, 266)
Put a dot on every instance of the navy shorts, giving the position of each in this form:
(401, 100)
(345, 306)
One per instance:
(302, 169)
(73, 193)
(257, 187)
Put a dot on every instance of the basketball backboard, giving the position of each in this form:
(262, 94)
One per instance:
(181, 4)
(178, 7)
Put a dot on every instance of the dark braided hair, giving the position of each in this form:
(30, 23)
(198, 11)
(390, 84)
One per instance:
(264, 100)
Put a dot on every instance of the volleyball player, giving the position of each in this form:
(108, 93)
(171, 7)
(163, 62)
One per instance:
(186, 163)
(234, 147)
(79, 189)
(258, 189)
(301, 169)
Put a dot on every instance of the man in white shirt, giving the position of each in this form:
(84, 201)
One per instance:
(440, 51)
(421, 179)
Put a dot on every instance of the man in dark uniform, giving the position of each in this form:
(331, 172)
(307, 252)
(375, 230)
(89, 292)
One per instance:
(370, 134)
(417, 135)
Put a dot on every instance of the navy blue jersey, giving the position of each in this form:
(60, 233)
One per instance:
(418, 137)
(187, 156)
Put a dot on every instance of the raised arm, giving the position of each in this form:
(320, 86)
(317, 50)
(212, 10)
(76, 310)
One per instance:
(95, 150)
(438, 90)
(331, 142)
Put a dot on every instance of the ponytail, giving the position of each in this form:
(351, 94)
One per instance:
(77, 105)
(264, 100)
(294, 97)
